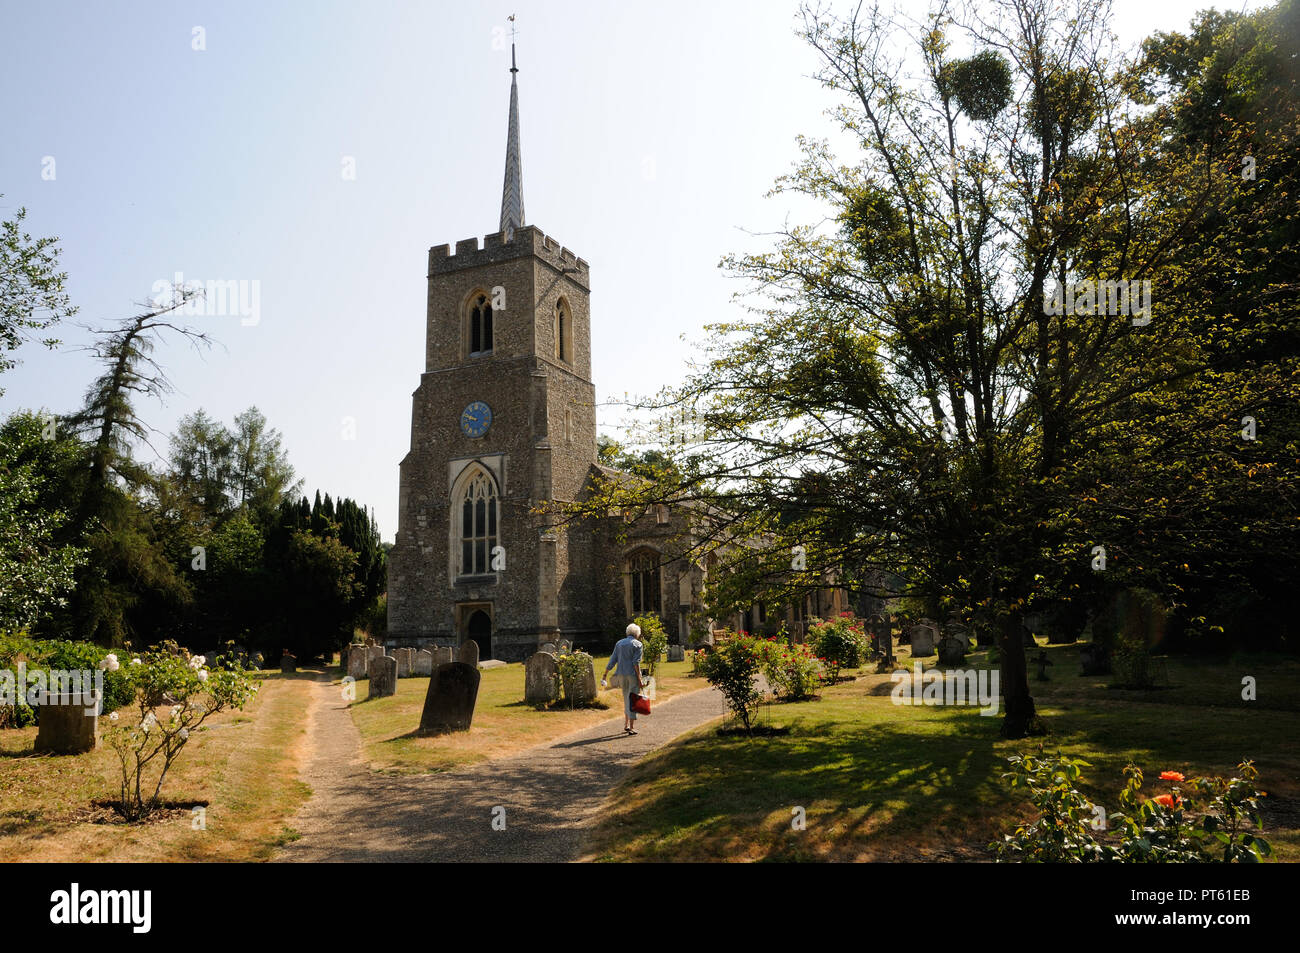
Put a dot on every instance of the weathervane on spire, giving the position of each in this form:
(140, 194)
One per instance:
(513, 31)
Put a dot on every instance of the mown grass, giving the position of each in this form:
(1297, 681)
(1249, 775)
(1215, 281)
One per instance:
(503, 724)
(244, 764)
(885, 782)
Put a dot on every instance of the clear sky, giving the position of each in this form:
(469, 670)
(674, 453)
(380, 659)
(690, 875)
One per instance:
(650, 133)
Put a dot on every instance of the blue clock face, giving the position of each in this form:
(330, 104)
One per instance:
(476, 419)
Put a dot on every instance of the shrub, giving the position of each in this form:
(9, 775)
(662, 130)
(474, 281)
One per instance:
(732, 668)
(572, 666)
(151, 744)
(697, 661)
(792, 671)
(838, 643)
(1171, 828)
(46, 655)
(654, 638)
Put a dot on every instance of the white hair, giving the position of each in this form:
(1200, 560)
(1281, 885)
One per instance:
(634, 630)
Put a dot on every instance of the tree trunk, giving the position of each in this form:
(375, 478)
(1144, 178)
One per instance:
(1020, 719)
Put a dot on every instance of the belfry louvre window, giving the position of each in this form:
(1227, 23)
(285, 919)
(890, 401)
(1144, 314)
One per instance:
(478, 525)
(480, 327)
(645, 583)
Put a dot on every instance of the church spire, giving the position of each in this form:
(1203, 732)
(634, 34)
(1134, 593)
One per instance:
(512, 191)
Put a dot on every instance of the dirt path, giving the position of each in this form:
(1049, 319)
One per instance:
(549, 793)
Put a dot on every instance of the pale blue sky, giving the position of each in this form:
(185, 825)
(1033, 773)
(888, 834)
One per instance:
(650, 133)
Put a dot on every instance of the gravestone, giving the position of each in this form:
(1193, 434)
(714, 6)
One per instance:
(403, 657)
(922, 639)
(548, 647)
(288, 664)
(65, 727)
(468, 653)
(582, 689)
(443, 654)
(376, 651)
(676, 653)
(423, 664)
(383, 676)
(952, 651)
(210, 658)
(358, 661)
(1094, 658)
(882, 639)
(541, 679)
(1043, 661)
(449, 703)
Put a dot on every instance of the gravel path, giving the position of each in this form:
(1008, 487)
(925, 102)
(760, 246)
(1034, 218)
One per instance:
(550, 793)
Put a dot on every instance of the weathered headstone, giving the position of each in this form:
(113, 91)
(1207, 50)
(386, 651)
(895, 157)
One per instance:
(882, 639)
(358, 661)
(383, 676)
(449, 703)
(403, 657)
(65, 727)
(952, 650)
(468, 653)
(377, 651)
(423, 664)
(548, 647)
(923, 637)
(581, 689)
(288, 664)
(676, 653)
(442, 655)
(541, 679)
(1043, 661)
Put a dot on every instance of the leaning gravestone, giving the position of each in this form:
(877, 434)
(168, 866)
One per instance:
(676, 653)
(358, 661)
(952, 650)
(383, 676)
(423, 664)
(923, 637)
(65, 727)
(581, 690)
(288, 663)
(541, 679)
(449, 703)
(442, 655)
(403, 657)
(468, 653)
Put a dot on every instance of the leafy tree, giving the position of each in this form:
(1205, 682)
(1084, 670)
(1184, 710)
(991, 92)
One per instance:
(36, 570)
(32, 296)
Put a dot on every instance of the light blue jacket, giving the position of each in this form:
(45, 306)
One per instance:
(626, 657)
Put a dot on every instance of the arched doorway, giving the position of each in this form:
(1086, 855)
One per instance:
(479, 628)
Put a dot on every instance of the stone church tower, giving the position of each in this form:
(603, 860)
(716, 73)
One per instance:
(503, 420)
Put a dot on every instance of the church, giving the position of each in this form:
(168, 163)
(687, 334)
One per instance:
(503, 422)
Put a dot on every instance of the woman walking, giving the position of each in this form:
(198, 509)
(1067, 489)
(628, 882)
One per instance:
(625, 660)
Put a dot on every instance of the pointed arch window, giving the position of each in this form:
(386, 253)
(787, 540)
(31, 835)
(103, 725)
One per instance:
(643, 568)
(480, 326)
(478, 524)
(563, 321)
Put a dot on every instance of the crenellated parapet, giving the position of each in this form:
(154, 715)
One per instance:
(528, 240)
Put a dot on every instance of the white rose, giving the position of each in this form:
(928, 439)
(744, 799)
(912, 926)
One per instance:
(113, 717)
(113, 663)
(185, 733)
(203, 675)
(176, 710)
(135, 661)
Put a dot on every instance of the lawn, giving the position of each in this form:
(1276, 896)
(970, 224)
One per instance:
(885, 782)
(244, 764)
(503, 724)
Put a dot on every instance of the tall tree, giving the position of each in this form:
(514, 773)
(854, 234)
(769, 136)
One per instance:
(32, 296)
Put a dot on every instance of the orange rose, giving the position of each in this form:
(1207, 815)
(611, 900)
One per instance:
(1171, 776)
(1168, 800)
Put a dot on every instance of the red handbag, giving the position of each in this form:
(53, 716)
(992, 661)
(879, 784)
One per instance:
(640, 704)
